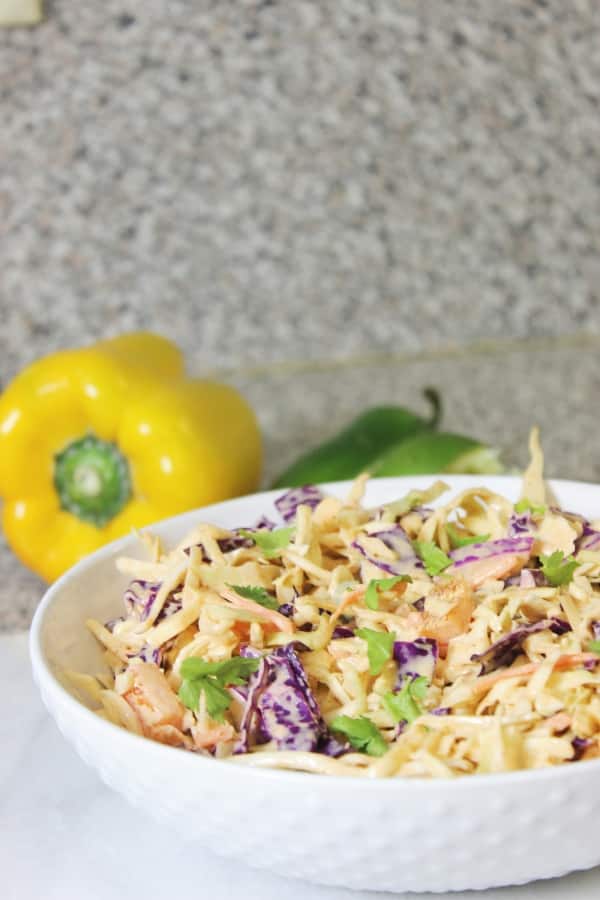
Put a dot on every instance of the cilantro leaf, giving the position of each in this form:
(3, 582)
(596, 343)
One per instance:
(210, 678)
(218, 699)
(189, 693)
(459, 540)
(362, 734)
(237, 670)
(419, 687)
(379, 648)
(557, 569)
(526, 505)
(594, 647)
(404, 706)
(381, 584)
(270, 542)
(435, 559)
(258, 594)
(228, 671)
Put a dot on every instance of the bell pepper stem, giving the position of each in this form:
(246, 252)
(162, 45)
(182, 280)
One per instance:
(92, 479)
(433, 396)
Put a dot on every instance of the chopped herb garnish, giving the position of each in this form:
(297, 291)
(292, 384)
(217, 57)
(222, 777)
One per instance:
(258, 594)
(382, 584)
(435, 560)
(380, 645)
(459, 540)
(270, 542)
(594, 647)
(200, 676)
(362, 734)
(525, 505)
(404, 706)
(398, 508)
(557, 569)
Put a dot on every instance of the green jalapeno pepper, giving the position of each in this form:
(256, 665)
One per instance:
(426, 453)
(365, 439)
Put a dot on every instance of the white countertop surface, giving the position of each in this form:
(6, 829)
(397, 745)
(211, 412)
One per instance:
(64, 834)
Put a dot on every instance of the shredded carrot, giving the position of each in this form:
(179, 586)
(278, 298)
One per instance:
(476, 573)
(348, 600)
(267, 615)
(567, 661)
(242, 631)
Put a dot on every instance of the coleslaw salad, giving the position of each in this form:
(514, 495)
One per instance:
(397, 640)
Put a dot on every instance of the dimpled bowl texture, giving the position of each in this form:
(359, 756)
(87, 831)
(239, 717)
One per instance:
(386, 835)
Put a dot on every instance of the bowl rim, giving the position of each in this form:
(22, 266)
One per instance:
(47, 681)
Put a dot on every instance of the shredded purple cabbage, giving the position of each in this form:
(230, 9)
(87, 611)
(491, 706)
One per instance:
(520, 524)
(236, 541)
(280, 706)
(528, 578)
(415, 658)
(287, 504)
(249, 652)
(390, 568)
(288, 609)
(240, 691)
(251, 731)
(396, 539)
(538, 577)
(147, 654)
(590, 540)
(289, 712)
(505, 650)
(205, 556)
(342, 631)
(173, 605)
(140, 596)
(595, 626)
(263, 524)
(111, 623)
(504, 546)
(580, 745)
(330, 745)
(441, 711)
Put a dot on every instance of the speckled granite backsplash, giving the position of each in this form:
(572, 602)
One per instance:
(270, 182)
(265, 180)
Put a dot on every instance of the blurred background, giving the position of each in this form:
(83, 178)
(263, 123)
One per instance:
(332, 204)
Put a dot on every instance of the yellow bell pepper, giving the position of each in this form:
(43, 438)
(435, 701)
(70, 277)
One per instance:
(96, 441)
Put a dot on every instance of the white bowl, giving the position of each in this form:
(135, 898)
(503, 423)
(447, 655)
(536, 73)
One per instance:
(387, 835)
